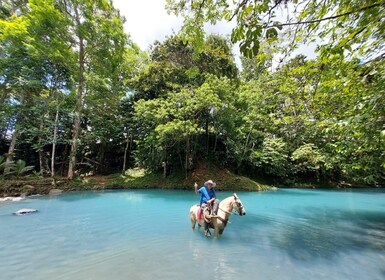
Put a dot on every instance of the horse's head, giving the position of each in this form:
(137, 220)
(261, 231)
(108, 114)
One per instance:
(238, 205)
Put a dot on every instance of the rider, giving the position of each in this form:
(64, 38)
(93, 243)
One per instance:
(208, 199)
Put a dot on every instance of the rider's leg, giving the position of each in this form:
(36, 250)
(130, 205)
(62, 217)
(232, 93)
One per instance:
(215, 206)
(205, 212)
(205, 209)
(207, 231)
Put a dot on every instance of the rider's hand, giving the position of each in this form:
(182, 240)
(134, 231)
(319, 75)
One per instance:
(195, 185)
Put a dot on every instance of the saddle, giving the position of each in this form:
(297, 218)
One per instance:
(204, 214)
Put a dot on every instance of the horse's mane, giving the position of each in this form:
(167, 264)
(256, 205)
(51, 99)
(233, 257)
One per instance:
(227, 200)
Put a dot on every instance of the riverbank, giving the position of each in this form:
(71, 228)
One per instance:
(132, 179)
(140, 179)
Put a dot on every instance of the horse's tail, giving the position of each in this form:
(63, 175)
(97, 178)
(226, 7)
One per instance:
(193, 215)
(196, 211)
(192, 211)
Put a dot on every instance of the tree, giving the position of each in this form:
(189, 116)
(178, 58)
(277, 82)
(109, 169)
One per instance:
(272, 158)
(21, 76)
(61, 47)
(35, 43)
(175, 64)
(177, 73)
(178, 119)
(97, 33)
(354, 26)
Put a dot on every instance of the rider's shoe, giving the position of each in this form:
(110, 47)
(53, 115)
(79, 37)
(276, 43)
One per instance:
(207, 233)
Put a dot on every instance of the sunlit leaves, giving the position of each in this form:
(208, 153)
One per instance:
(178, 116)
(272, 157)
(355, 26)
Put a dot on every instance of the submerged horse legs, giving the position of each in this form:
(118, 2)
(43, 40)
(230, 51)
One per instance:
(192, 219)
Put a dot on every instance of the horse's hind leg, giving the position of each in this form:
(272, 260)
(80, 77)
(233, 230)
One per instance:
(193, 220)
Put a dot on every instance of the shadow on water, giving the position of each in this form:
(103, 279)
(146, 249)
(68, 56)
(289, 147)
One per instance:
(330, 234)
(316, 234)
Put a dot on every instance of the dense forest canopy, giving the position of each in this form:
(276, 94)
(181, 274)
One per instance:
(78, 96)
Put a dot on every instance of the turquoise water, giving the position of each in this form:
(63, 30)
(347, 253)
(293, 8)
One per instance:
(286, 234)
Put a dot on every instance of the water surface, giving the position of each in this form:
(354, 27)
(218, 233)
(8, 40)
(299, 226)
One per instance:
(286, 234)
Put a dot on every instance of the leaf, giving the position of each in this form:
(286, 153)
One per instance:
(271, 33)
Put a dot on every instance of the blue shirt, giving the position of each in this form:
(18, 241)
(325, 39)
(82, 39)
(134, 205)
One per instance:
(206, 194)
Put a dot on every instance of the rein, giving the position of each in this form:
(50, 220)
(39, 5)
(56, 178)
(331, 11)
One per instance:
(226, 221)
(227, 212)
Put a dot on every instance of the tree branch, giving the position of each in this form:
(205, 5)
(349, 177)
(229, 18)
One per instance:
(328, 18)
(243, 3)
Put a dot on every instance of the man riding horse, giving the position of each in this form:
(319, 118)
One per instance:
(208, 202)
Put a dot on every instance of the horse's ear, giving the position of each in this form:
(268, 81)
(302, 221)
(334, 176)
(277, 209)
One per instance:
(235, 196)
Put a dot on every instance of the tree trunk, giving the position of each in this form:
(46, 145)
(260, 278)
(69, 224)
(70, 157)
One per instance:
(187, 160)
(42, 158)
(165, 164)
(126, 149)
(75, 135)
(54, 142)
(102, 167)
(11, 149)
(42, 162)
(79, 105)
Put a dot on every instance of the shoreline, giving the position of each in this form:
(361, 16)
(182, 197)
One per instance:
(138, 178)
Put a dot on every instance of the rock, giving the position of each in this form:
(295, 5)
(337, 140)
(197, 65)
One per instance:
(55, 192)
(25, 211)
(11, 198)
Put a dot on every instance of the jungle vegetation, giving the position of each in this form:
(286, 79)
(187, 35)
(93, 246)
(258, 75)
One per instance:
(78, 96)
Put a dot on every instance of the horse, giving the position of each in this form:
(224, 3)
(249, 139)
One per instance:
(218, 222)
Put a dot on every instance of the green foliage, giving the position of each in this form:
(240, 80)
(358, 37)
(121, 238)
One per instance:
(17, 168)
(273, 158)
(352, 26)
(226, 180)
(175, 64)
(308, 159)
(183, 94)
(66, 63)
(172, 121)
(21, 168)
(4, 165)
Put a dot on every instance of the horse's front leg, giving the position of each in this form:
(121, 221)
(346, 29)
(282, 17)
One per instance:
(216, 233)
(216, 229)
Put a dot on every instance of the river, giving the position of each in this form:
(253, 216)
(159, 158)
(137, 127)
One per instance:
(146, 234)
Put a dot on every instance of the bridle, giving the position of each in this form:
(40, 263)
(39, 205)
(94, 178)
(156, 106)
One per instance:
(239, 207)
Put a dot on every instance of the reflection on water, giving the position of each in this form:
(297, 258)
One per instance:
(329, 234)
(286, 234)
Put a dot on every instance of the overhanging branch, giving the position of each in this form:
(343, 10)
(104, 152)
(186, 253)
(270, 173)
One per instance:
(327, 18)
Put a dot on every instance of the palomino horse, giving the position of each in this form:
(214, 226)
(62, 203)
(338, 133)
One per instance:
(219, 221)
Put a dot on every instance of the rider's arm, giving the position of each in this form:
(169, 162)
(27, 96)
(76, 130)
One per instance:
(213, 197)
(196, 188)
(211, 200)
